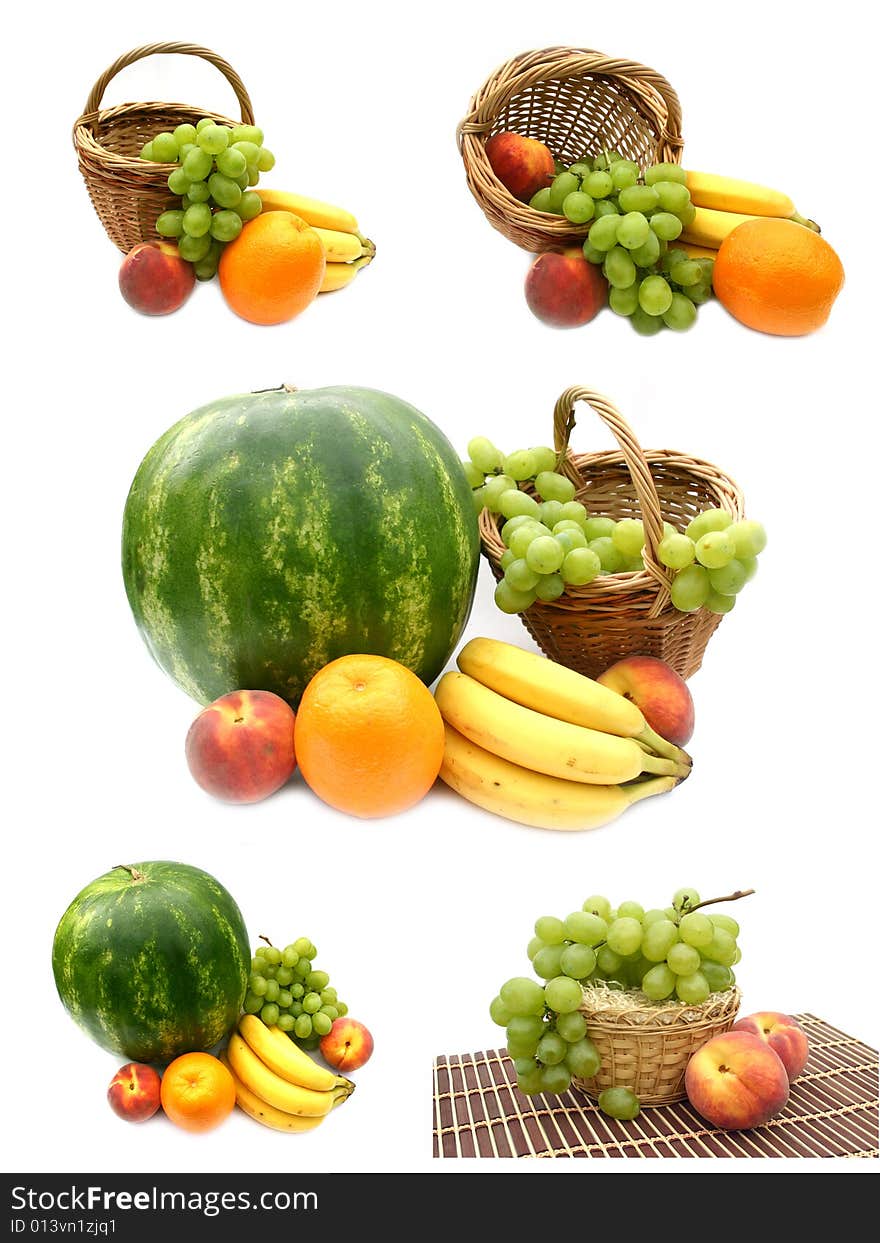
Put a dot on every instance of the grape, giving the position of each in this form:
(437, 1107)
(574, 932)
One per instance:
(582, 167)
(599, 528)
(544, 458)
(200, 125)
(231, 163)
(596, 904)
(683, 959)
(633, 909)
(629, 539)
(685, 273)
(665, 226)
(499, 1012)
(197, 165)
(687, 214)
(646, 255)
(721, 949)
(520, 465)
(165, 148)
(551, 1049)
(665, 172)
(685, 899)
(550, 512)
(273, 988)
(147, 152)
(342, 1008)
(198, 192)
(619, 1103)
(496, 486)
(331, 1012)
(619, 269)
(563, 994)
(544, 555)
(266, 160)
(206, 269)
(258, 985)
(178, 182)
(582, 1057)
(252, 1002)
(578, 961)
(250, 151)
(573, 511)
(550, 929)
(522, 996)
(249, 205)
(513, 524)
(749, 538)
(717, 603)
(653, 916)
(552, 486)
(591, 254)
(624, 173)
(696, 929)
(646, 325)
(578, 207)
(550, 587)
(533, 946)
(609, 557)
(541, 201)
(699, 294)
(197, 220)
(727, 922)
(624, 301)
(184, 134)
(655, 296)
(690, 589)
(569, 524)
(659, 939)
(658, 983)
(317, 980)
(676, 551)
(475, 478)
(625, 935)
(598, 185)
(607, 961)
(478, 497)
(287, 1022)
(311, 1003)
(523, 536)
(302, 1028)
(682, 313)
(717, 977)
(513, 502)
(560, 188)
(548, 961)
(484, 455)
(531, 1083)
(692, 989)
(673, 196)
(521, 1045)
(606, 159)
(708, 520)
(572, 1027)
(170, 224)
(603, 231)
(715, 549)
(633, 230)
(213, 139)
(526, 1027)
(224, 191)
(581, 566)
(520, 577)
(638, 199)
(555, 1079)
(270, 1014)
(728, 579)
(510, 601)
(247, 133)
(606, 207)
(284, 999)
(226, 226)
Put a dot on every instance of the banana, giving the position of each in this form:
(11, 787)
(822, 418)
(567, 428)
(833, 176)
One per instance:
(692, 251)
(273, 1047)
(543, 743)
(539, 683)
(731, 195)
(312, 211)
(339, 275)
(710, 227)
(271, 1088)
(268, 1115)
(343, 247)
(532, 798)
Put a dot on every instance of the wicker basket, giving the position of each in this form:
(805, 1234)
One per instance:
(578, 102)
(617, 615)
(129, 194)
(647, 1048)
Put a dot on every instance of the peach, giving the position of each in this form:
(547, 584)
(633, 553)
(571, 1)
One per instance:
(154, 279)
(347, 1045)
(783, 1034)
(736, 1081)
(240, 748)
(522, 165)
(655, 688)
(134, 1092)
(564, 290)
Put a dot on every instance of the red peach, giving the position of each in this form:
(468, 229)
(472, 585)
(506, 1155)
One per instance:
(783, 1034)
(347, 1045)
(154, 279)
(565, 290)
(736, 1081)
(522, 165)
(240, 748)
(655, 688)
(134, 1092)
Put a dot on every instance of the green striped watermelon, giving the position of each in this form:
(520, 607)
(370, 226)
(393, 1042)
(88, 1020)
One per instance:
(152, 960)
(267, 534)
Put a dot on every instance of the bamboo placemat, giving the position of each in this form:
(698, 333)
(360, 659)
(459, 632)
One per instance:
(832, 1112)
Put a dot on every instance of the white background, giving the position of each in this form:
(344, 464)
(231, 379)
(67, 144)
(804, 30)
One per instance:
(420, 918)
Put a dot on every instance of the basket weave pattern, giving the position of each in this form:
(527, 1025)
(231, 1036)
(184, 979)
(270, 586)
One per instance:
(647, 1048)
(578, 102)
(617, 615)
(129, 194)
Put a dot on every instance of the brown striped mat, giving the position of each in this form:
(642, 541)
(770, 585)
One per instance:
(832, 1112)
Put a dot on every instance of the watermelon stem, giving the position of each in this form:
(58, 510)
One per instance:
(134, 873)
(280, 388)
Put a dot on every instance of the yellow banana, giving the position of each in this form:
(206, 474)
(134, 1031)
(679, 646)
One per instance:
(710, 227)
(267, 1115)
(543, 743)
(532, 798)
(342, 247)
(271, 1088)
(693, 251)
(732, 195)
(281, 1054)
(312, 211)
(539, 683)
(339, 275)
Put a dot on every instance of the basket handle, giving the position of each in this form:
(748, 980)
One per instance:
(182, 49)
(637, 464)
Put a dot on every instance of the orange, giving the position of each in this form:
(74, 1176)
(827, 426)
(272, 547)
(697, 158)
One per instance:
(273, 269)
(369, 737)
(197, 1092)
(777, 276)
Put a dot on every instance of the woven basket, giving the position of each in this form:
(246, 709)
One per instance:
(579, 103)
(129, 194)
(647, 1048)
(616, 615)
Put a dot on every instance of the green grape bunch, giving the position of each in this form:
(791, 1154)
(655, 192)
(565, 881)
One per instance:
(677, 953)
(552, 544)
(634, 220)
(285, 990)
(217, 166)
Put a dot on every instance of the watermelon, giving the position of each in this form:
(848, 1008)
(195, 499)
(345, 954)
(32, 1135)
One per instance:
(152, 960)
(267, 534)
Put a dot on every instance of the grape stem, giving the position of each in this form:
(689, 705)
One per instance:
(261, 937)
(730, 897)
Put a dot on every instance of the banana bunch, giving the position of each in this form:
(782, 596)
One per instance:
(538, 743)
(345, 247)
(722, 203)
(276, 1082)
